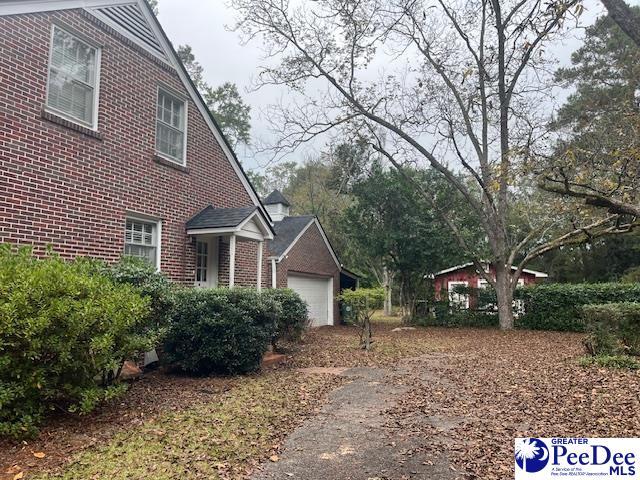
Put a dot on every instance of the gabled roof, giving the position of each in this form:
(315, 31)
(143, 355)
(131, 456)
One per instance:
(212, 217)
(289, 230)
(470, 264)
(231, 221)
(135, 20)
(276, 197)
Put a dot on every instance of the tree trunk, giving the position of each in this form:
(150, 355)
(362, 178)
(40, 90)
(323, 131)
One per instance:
(625, 17)
(386, 283)
(504, 294)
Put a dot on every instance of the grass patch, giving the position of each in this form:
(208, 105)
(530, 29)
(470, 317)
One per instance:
(611, 361)
(222, 440)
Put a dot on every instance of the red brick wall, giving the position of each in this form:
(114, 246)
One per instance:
(69, 189)
(470, 275)
(310, 256)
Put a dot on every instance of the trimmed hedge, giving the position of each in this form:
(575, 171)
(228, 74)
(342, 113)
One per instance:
(293, 316)
(614, 329)
(64, 333)
(559, 306)
(220, 330)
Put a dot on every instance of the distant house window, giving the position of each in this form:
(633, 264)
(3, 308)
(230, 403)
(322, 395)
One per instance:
(458, 300)
(170, 128)
(73, 78)
(141, 239)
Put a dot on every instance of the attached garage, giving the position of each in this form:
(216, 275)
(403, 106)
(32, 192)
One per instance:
(318, 293)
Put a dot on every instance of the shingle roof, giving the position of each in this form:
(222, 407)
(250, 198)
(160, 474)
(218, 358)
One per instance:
(212, 217)
(286, 232)
(276, 197)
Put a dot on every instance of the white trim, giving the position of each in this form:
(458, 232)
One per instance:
(264, 226)
(176, 96)
(274, 273)
(330, 303)
(535, 272)
(324, 237)
(124, 32)
(195, 97)
(470, 264)
(232, 261)
(16, 7)
(141, 217)
(238, 229)
(450, 292)
(259, 265)
(96, 88)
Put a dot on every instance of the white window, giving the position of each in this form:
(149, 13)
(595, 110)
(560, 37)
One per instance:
(171, 127)
(73, 78)
(141, 239)
(202, 262)
(458, 300)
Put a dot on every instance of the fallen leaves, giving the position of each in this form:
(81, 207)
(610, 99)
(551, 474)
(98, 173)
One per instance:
(39, 455)
(493, 386)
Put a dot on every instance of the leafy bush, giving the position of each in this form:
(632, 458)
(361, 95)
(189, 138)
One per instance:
(220, 330)
(559, 306)
(149, 282)
(64, 334)
(293, 318)
(614, 329)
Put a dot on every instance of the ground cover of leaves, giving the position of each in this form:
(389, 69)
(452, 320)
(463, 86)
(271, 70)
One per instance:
(163, 415)
(484, 388)
(469, 393)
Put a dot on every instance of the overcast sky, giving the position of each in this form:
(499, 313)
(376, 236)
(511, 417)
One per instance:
(203, 24)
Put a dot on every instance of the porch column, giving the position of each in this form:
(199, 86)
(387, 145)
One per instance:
(274, 275)
(232, 260)
(260, 265)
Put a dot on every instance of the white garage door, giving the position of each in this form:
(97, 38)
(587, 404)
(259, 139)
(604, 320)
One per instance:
(318, 293)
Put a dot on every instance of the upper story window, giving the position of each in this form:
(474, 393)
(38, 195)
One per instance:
(171, 127)
(73, 78)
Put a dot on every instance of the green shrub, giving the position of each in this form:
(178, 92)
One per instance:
(293, 318)
(64, 333)
(559, 306)
(220, 330)
(614, 329)
(149, 282)
(611, 361)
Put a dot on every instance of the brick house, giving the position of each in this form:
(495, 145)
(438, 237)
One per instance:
(106, 148)
(466, 275)
(302, 258)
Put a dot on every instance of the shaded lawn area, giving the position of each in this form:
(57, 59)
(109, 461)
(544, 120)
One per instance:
(487, 387)
(168, 426)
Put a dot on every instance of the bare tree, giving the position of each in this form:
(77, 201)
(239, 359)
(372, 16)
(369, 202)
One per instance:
(460, 84)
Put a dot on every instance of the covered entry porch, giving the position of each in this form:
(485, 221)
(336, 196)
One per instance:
(227, 242)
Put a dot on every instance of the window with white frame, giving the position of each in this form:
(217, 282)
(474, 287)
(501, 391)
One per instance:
(202, 262)
(456, 299)
(170, 129)
(73, 78)
(141, 240)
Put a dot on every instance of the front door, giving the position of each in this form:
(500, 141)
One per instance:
(206, 263)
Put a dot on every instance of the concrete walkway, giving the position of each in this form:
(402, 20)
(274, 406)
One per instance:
(351, 438)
